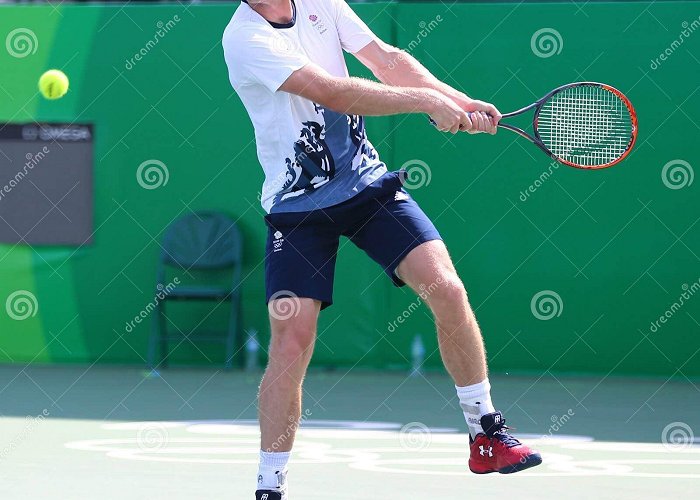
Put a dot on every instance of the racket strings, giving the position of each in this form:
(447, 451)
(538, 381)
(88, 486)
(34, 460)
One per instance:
(587, 125)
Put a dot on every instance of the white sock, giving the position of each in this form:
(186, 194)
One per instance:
(475, 401)
(272, 473)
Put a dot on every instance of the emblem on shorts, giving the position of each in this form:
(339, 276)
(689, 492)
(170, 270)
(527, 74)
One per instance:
(313, 18)
(400, 195)
(277, 242)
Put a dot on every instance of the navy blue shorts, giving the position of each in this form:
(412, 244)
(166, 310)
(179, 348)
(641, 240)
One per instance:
(383, 220)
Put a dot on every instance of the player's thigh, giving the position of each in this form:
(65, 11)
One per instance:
(300, 258)
(395, 229)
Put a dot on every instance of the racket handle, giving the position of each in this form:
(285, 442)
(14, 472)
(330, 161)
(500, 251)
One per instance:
(434, 123)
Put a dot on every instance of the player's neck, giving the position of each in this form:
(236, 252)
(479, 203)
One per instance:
(276, 11)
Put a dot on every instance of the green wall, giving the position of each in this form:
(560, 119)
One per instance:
(617, 246)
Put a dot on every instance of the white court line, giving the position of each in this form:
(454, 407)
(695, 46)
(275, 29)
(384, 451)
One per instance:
(336, 442)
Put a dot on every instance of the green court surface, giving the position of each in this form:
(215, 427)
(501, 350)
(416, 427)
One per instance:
(114, 433)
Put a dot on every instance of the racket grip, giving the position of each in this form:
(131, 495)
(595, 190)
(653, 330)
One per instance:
(434, 123)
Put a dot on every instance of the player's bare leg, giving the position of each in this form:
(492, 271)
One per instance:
(428, 269)
(291, 347)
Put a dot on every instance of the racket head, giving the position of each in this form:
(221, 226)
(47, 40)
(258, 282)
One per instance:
(586, 125)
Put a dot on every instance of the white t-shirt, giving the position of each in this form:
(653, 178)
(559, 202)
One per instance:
(313, 157)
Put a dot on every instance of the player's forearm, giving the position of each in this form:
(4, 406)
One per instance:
(404, 70)
(358, 96)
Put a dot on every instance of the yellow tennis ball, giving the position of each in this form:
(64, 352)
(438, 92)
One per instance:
(53, 84)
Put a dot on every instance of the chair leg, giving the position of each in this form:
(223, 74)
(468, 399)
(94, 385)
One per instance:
(154, 339)
(163, 336)
(233, 323)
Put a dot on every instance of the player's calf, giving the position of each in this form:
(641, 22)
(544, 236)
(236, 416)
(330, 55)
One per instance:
(290, 350)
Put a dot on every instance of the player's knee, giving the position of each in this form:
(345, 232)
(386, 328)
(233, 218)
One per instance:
(450, 290)
(293, 342)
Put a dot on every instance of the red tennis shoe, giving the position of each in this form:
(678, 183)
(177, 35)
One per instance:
(497, 451)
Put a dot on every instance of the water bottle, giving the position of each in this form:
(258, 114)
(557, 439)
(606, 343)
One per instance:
(252, 348)
(417, 355)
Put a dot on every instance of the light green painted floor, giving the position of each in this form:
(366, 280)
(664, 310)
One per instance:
(111, 433)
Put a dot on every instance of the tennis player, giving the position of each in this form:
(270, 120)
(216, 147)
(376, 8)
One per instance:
(324, 180)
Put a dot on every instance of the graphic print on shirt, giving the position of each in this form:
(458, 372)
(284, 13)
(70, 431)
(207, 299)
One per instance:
(358, 135)
(357, 129)
(313, 163)
(325, 146)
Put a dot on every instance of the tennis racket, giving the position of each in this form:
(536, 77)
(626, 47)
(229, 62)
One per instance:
(585, 125)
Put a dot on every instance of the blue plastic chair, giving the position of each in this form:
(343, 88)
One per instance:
(201, 241)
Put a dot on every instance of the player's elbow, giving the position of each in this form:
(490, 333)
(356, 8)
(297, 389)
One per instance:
(392, 60)
(334, 94)
(392, 56)
(319, 87)
(381, 58)
(338, 103)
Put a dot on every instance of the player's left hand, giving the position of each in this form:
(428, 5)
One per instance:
(484, 116)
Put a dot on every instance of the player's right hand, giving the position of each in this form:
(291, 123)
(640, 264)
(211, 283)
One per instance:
(484, 116)
(447, 116)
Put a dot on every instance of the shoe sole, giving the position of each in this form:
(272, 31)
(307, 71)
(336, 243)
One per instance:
(529, 461)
